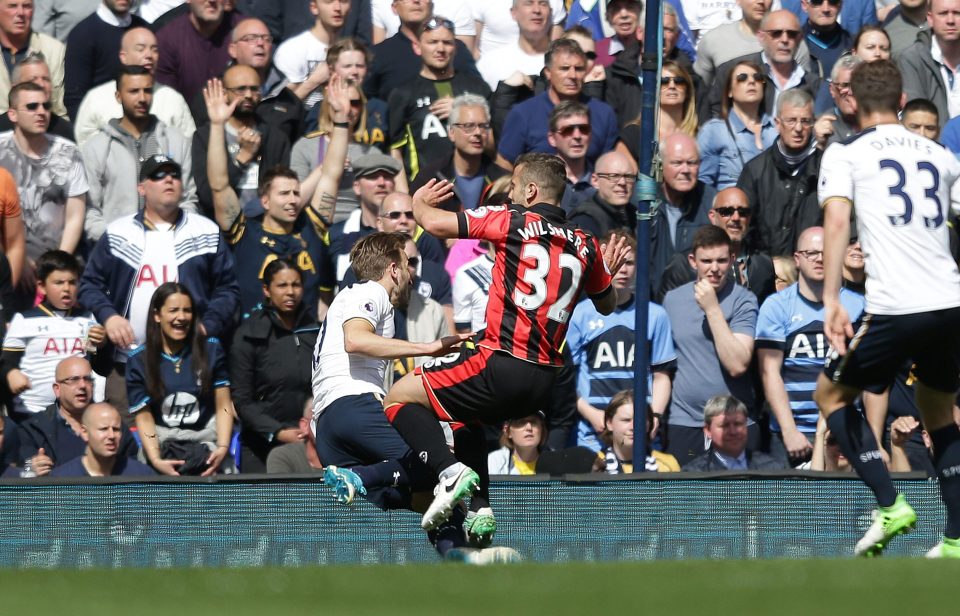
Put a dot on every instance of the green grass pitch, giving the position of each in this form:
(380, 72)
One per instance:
(892, 586)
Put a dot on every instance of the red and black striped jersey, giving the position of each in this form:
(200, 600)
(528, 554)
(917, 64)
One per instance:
(543, 265)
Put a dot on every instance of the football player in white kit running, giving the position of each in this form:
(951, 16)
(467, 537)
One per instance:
(902, 187)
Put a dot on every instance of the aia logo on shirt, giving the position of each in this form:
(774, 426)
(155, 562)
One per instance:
(63, 346)
(155, 276)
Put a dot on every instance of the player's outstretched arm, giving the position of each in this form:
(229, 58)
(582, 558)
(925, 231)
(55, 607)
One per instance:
(836, 237)
(226, 204)
(437, 222)
(359, 337)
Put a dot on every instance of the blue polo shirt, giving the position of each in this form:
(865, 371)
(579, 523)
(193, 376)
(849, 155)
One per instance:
(526, 126)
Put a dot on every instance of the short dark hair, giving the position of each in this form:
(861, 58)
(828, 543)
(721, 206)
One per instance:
(278, 265)
(709, 236)
(547, 171)
(921, 104)
(56, 260)
(566, 109)
(273, 173)
(130, 69)
(26, 86)
(876, 87)
(371, 256)
(563, 45)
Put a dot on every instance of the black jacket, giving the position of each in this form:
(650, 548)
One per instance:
(46, 430)
(756, 461)
(696, 208)
(783, 204)
(271, 371)
(598, 217)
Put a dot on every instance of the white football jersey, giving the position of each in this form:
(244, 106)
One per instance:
(337, 373)
(471, 289)
(903, 187)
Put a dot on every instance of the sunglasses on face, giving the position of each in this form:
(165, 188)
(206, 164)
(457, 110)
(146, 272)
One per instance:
(161, 174)
(833, 3)
(591, 55)
(727, 211)
(413, 262)
(758, 77)
(677, 81)
(397, 215)
(567, 131)
(34, 106)
(791, 34)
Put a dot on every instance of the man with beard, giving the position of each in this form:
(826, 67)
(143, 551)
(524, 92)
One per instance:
(253, 149)
(355, 342)
(113, 156)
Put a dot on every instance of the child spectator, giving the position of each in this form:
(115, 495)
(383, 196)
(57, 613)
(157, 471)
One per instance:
(39, 338)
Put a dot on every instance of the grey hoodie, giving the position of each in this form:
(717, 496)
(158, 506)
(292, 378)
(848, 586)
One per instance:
(112, 160)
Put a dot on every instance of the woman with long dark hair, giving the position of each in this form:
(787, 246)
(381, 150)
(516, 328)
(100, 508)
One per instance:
(179, 390)
(741, 132)
(270, 366)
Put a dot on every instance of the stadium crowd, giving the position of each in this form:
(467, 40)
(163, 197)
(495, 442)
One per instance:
(179, 209)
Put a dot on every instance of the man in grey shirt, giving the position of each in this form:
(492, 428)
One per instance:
(713, 321)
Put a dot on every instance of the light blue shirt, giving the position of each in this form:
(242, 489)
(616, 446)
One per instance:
(726, 146)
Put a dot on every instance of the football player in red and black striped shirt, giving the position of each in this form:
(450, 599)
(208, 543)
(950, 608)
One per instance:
(543, 266)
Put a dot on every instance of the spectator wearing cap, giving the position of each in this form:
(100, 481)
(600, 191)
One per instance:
(468, 166)
(92, 50)
(19, 40)
(374, 178)
(725, 427)
(140, 251)
(138, 47)
(112, 156)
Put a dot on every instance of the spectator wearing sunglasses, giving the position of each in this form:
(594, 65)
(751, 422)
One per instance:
(34, 68)
(751, 269)
(139, 252)
(922, 64)
(741, 132)
(780, 36)
(825, 37)
(420, 108)
(570, 135)
(50, 178)
(112, 157)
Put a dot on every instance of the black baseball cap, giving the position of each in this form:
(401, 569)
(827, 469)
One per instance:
(157, 162)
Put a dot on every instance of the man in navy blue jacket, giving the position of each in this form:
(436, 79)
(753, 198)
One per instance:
(139, 252)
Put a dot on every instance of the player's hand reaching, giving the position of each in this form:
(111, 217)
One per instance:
(219, 110)
(432, 194)
(447, 343)
(837, 327)
(615, 253)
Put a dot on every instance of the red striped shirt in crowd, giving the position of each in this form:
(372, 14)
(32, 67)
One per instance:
(543, 265)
